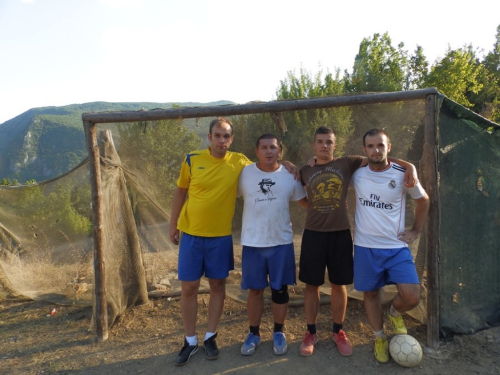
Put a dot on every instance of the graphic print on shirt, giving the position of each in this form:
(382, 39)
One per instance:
(326, 190)
(265, 186)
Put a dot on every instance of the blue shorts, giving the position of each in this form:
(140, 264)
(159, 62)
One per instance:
(212, 256)
(276, 261)
(375, 268)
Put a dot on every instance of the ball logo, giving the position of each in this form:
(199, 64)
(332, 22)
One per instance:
(392, 184)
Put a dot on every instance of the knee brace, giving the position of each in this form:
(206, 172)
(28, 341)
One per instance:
(280, 296)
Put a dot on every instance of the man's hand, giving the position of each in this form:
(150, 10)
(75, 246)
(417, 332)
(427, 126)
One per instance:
(408, 235)
(174, 235)
(292, 168)
(312, 162)
(411, 177)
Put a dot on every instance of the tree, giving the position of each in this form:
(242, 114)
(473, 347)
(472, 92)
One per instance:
(487, 101)
(378, 66)
(301, 125)
(457, 75)
(418, 70)
(155, 150)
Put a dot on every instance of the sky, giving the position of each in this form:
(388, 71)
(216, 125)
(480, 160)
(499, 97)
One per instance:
(61, 52)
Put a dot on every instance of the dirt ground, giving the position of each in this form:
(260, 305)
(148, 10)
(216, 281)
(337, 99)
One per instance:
(147, 338)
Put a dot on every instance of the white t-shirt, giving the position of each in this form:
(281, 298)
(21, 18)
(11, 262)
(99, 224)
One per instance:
(267, 195)
(380, 206)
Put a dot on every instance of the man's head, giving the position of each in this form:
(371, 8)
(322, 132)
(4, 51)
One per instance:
(324, 144)
(220, 136)
(376, 146)
(268, 151)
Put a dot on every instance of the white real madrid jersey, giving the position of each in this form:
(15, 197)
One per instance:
(380, 206)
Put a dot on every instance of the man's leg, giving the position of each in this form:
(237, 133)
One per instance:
(189, 305)
(338, 303)
(311, 303)
(216, 303)
(189, 310)
(375, 315)
(215, 308)
(407, 298)
(255, 308)
(279, 307)
(311, 307)
(374, 311)
(338, 307)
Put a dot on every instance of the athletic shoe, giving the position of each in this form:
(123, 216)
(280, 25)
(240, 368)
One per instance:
(343, 344)
(398, 325)
(251, 342)
(280, 346)
(211, 349)
(381, 350)
(186, 352)
(307, 346)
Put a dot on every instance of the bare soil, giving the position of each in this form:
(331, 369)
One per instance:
(147, 338)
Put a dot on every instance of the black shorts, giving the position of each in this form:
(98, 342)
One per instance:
(326, 250)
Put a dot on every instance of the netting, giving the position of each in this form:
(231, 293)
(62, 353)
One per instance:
(46, 233)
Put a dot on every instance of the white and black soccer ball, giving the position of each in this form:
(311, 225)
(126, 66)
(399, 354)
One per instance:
(405, 350)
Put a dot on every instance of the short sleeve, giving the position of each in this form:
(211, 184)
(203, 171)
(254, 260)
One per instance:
(185, 175)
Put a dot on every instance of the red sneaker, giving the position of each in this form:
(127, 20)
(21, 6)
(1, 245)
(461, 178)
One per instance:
(343, 345)
(307, 346)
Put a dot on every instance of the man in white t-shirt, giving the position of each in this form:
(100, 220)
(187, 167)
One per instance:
(381, 253)
(268, 257)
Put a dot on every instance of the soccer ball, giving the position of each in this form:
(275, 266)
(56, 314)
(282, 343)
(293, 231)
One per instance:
(405, 350)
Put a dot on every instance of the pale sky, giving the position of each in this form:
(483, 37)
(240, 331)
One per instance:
(60, 52)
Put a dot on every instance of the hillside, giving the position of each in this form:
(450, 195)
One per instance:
(46, 142)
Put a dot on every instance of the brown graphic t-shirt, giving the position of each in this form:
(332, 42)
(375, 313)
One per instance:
(327, 186)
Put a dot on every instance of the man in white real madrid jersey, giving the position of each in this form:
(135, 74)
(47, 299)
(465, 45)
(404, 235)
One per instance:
(381, 253)
(268, 257)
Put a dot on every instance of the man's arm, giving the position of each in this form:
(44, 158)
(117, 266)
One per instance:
(303, 202)
(411, 178)
(292, 168)
(177, 203)
(421, 209)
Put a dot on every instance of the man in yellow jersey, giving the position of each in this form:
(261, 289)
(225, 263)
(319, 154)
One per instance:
(203, 209)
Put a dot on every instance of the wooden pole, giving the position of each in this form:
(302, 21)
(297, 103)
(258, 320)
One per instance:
(101, 306)
(430, 180)
(264, 107)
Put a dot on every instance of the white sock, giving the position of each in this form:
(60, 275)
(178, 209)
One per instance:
(394, 312)
(208, 335)
(192, 340)
(380, 334)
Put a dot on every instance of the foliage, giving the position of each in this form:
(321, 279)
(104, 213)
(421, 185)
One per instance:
(487, 101)
(457, 75)
(66, 208)
(378, 66)
(301, 125)
(158, 149)
(46, 142)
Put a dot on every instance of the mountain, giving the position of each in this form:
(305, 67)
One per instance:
(46, 142)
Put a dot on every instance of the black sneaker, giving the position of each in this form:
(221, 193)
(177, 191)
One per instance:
(186, 352)
(211, 349)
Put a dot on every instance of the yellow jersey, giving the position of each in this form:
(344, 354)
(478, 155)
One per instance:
(212, 185)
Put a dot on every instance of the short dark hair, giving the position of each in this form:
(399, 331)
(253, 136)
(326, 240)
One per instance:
(324, 130)
(218, 121)
(373, 132)
(268, 136)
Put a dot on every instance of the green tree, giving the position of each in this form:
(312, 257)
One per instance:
(301, 125)
(418, 70)
(487, 101)
(457, 75)
(378, 66)
(155, 150)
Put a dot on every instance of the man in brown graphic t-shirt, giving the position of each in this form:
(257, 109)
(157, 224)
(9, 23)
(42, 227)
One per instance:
(327, 240)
